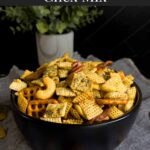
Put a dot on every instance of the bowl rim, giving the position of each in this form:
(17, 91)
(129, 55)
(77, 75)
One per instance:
(134, 108)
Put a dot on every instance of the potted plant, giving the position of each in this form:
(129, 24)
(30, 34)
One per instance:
(53, 25)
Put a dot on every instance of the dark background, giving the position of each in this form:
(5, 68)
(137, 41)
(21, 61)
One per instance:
(120, 32)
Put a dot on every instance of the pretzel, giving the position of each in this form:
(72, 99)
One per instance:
(116, 95)
(29, 92)
(36, 108)
(111, 101)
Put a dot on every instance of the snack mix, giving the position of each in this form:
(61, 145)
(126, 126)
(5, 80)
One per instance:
(69, 91)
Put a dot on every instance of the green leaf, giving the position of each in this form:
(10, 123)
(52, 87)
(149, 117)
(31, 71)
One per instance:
(80, 13)
(49, 19)
(12, 29)
(42, 27)
(60, 27)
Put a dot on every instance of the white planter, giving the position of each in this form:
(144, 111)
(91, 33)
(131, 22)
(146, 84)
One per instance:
(51, 46)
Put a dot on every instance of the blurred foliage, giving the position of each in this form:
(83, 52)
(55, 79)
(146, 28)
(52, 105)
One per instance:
(49, 19)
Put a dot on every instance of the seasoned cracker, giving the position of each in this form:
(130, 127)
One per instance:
(51, 71)
(96, 86)
(131, 94)
(22, 102)
(66, 58)
(114, 112)
(63, 73)
(90, 109)
(90, 66)
(17, 85)
(65, 65)
(72, 121)
(62, 84)
(96, 94)
(38, 82)
(25, 74)
(54, 120)
(79, 81)
(56, 80)
(63, 99)
(128, 80)
(65, 92)
(83, 97)
(76, 92)
(114, 84)
(67, 100)
(56, 110)
(94, 77)
(129, 105)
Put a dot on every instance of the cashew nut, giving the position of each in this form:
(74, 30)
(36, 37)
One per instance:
(49, 91)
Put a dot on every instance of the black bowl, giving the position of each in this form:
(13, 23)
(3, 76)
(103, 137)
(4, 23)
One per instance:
(43, 135)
